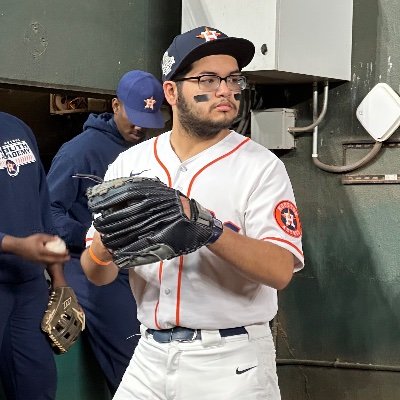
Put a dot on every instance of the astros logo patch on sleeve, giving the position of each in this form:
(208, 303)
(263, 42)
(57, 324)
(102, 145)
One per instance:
(287, 217)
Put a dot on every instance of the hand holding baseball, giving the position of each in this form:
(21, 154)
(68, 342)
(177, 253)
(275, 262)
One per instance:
(56, 246)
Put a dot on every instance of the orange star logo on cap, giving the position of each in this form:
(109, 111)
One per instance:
(150, 103)
(208, 35)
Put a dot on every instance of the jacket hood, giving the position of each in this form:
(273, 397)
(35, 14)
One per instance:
(106, 125)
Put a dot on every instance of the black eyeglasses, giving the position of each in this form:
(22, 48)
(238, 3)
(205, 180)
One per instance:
(209, 83)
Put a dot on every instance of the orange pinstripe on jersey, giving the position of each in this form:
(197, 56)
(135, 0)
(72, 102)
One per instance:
(160, 271)
(161, 163)
(178, 294)
(155, 315)
(213, 162)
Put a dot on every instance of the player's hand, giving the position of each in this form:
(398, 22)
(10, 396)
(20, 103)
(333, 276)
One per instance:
(33, 248)
(186, 206)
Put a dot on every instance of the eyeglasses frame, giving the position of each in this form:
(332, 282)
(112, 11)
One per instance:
(216, 76)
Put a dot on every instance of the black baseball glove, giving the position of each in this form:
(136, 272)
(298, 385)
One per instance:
(141, 221)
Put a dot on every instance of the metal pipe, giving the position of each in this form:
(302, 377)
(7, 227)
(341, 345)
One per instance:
(337, 169)
(338, 364)
(315, 116)
(309, 128)
(351, 167)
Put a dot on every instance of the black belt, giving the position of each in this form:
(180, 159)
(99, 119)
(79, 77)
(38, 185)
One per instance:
(180, 334)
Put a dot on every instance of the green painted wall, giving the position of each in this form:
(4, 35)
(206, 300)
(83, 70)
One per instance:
(84, 46)
(345, 304)
(79, 376)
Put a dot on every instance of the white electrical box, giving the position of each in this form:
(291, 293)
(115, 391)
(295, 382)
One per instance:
(295, 40)
(270, 128)
(379, 112)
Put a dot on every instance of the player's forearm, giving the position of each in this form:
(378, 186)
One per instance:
(56, 273)
(93, 265)
(260, 261)
(10, 244)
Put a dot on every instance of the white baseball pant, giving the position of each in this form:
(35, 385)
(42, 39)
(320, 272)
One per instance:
(241, 367)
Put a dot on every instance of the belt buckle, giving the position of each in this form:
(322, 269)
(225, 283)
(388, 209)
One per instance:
(160, 337)
(181, 340)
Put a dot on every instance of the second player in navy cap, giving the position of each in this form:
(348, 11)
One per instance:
(142, 96)
(110, 310)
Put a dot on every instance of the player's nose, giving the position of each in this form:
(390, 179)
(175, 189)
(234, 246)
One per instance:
(223, 89)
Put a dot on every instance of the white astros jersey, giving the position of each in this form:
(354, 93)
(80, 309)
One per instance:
(248, 189)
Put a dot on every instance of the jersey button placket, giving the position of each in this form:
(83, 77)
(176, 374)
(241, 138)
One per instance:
(180, 178)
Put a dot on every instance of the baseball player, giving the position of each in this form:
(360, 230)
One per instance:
(110, 311)
(205, 315)
(27, 367)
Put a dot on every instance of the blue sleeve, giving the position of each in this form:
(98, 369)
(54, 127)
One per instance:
(47, 220)
(1, 240)
(64, 190)
(45, 204)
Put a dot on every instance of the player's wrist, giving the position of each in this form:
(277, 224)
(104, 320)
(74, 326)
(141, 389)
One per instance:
(11, 244)
(206, 218)
(2, 235)
(217, 230)
(102, 258)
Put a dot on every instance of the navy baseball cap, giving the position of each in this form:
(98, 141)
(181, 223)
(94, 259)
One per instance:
(142, 95)
(201, 42)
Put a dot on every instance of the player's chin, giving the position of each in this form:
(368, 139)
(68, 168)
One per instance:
(135, 136)
(226, 117)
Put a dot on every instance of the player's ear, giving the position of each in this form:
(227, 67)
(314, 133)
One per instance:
(170, 92)
(115, 103)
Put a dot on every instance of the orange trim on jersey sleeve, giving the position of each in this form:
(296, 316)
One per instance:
(213, 162)
(285, 241)
(178, 291)
(161, 163)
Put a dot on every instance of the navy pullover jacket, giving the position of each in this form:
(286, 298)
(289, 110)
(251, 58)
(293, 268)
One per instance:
(90, 152)
(25, 204)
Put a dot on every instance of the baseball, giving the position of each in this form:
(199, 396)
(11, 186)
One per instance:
(56, 246)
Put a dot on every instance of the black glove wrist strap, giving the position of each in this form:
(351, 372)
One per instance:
(217, 229)
(206, 218)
